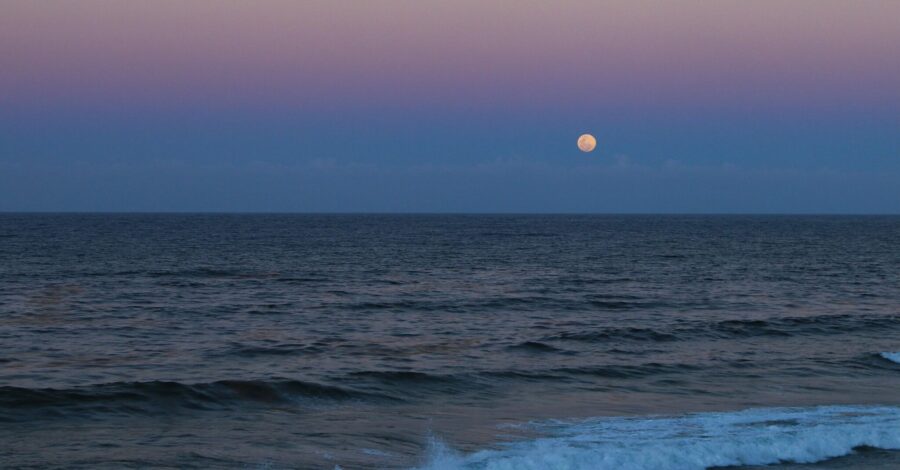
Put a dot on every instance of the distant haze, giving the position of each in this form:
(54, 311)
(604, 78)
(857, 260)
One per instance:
(470, 106)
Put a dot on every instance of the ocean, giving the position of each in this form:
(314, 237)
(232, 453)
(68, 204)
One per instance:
(449, 341)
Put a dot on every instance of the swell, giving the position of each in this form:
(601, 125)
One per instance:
(198, 273)
(157, 396)
(814, 325)
(377, 386)
(252, 351)
(535, 347)
(403, 383)
(736, 329)
(479, 305)
(614, 334)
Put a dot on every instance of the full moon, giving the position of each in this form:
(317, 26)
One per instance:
(586, 143)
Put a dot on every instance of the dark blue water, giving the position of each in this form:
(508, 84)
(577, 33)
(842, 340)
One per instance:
(368, 341)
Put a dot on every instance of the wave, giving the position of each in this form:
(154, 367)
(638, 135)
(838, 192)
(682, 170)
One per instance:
(155, 396)
(736, 329)
(634, 371)
(408, 382)
(275, 350)
(403, 385)
(615, 334)
(690, 442)
(403, 376)
(574, 373)
(535, 347)
(477, 305)
(819, 324)
(210, 272)
(379, 386)
(891, 356)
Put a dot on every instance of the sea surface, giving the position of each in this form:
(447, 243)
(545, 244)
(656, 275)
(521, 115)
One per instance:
(449, 341)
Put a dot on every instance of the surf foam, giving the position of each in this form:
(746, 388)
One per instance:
(891, 356)
(690, 442)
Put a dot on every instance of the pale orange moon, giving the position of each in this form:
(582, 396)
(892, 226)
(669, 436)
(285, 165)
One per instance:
(586, 142)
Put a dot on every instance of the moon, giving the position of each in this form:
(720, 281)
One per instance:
(586, 143)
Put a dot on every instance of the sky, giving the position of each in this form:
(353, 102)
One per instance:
(467, 106)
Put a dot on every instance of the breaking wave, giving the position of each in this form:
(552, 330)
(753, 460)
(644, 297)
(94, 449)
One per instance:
(690, 442)
(891, 356)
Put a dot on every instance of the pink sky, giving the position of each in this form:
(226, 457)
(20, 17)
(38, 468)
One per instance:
(508, 53)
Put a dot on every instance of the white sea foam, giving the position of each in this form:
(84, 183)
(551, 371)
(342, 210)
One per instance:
(690, 442)
(891, 356)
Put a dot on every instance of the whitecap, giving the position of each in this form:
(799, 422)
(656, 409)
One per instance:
(891, 356)
(690, 442)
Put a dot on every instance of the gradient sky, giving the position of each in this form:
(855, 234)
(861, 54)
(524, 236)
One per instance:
(463, 106)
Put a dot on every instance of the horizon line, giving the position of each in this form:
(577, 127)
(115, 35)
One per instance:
(447, 213)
